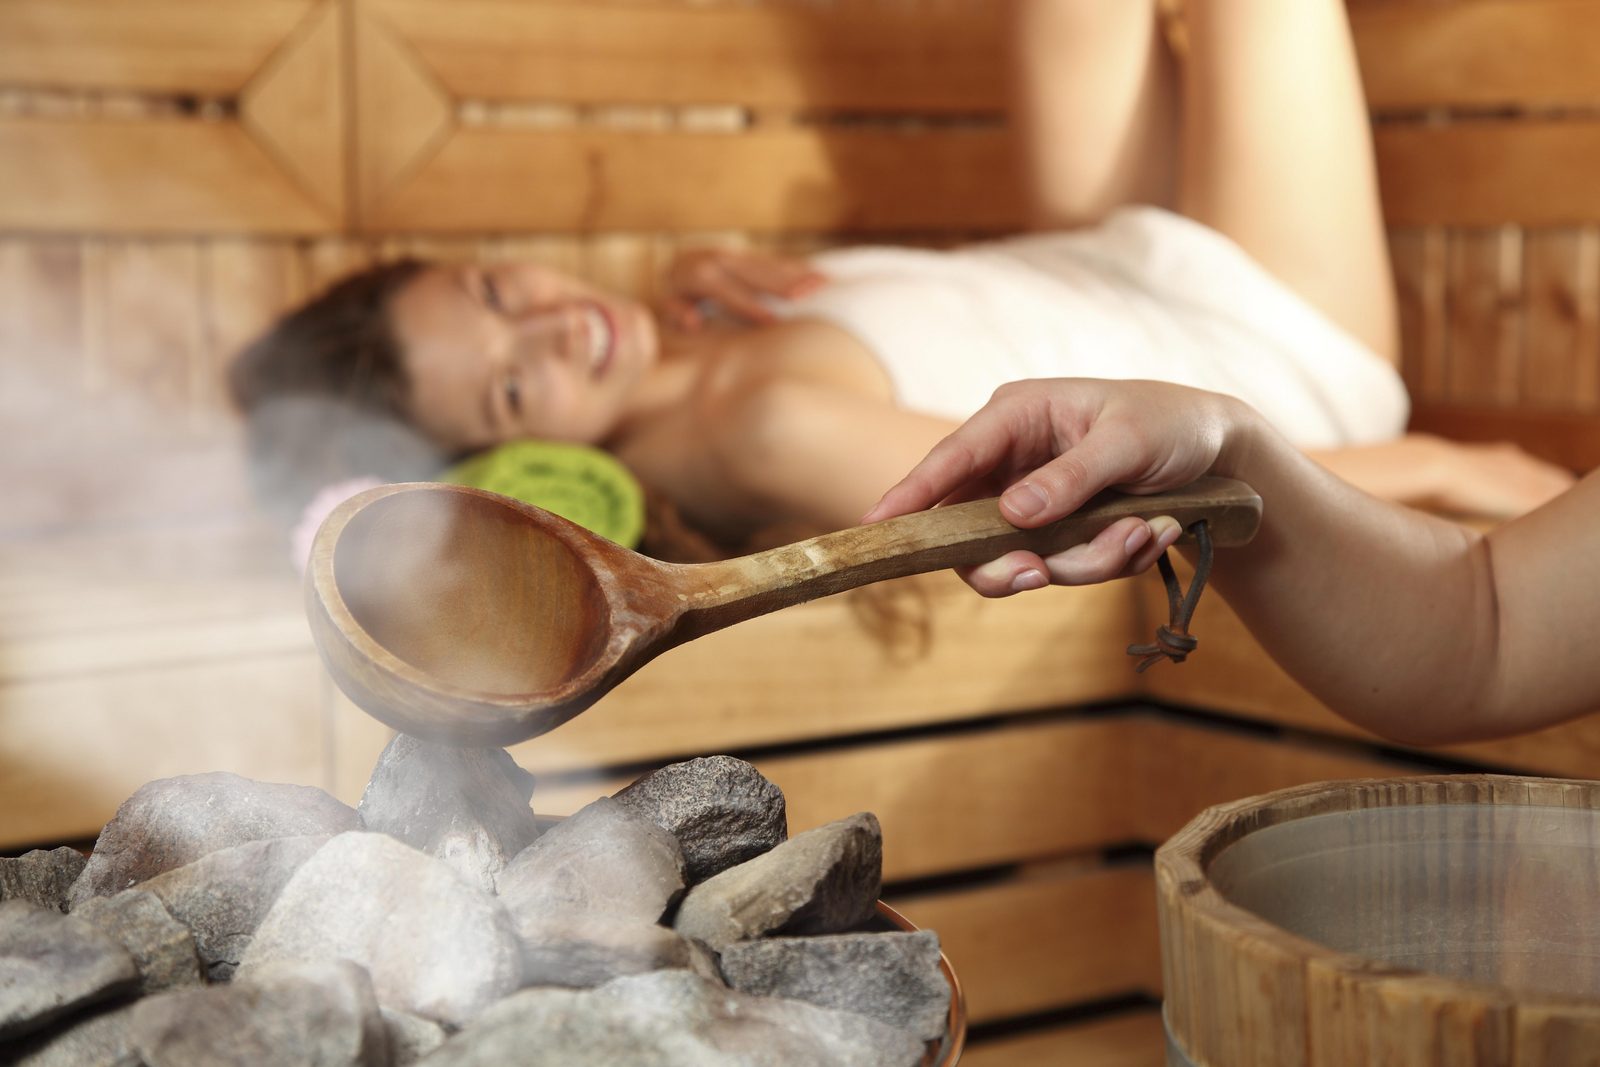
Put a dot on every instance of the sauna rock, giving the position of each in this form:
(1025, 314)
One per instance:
(222, 897)
(411, 1037)
(284, 1015)
(101, 1037)
(41, 877)
(823, 881)
(605, 858)
(355, 946)
(173, 821)
(893, 977)
(51, 964)
(722, 811)
(588, 949)
(162, 947)
(671, 1019)
(434, 945)
(467, 806)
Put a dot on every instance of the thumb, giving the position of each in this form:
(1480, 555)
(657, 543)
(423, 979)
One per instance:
(1062, 485)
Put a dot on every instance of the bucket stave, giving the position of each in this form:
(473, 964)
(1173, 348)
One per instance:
(1419, 921)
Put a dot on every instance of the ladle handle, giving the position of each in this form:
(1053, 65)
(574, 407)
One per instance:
(954, 536)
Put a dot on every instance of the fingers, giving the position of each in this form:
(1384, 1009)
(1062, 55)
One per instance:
(1060, 487)
(968, 454)
(947, 467)
(1014, 572)
(682, 314)
(1127, 547)
(741, 300)
(739, 282)
(776, 275)
(1055, 443)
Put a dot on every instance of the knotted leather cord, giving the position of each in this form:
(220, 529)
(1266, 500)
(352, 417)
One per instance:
(1173, 641)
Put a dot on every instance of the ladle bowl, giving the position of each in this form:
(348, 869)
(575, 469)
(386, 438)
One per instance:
(467, 617)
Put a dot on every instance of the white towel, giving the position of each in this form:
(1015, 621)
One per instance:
(1145, 294)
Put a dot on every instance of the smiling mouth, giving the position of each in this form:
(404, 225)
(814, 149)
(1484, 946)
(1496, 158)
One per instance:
(601, 331)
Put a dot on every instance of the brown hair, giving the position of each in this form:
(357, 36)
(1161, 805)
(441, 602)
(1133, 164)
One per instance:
(339, 345)
(324, 392)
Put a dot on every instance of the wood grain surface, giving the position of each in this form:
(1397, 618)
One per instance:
(1243, 991)
(174, 180)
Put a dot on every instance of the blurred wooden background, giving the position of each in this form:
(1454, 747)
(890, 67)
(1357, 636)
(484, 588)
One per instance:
(175, 173)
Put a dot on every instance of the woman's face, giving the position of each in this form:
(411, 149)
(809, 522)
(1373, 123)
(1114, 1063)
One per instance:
(511, 350)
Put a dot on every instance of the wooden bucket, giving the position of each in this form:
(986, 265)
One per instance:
(1426, 922)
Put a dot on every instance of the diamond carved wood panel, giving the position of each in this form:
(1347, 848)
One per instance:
(478, 116)
(165, 117)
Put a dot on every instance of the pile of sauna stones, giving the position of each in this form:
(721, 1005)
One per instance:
(220, 920)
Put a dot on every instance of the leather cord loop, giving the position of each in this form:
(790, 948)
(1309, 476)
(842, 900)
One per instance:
(1173, 640)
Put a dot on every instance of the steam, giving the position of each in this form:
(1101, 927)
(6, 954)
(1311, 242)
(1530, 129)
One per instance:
(301, 445)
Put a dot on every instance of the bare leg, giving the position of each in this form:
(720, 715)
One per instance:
(1095, 95)
(1277, 154)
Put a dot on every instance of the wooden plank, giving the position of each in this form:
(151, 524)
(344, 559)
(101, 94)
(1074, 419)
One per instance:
(858, 180)
(934, 56)
(1484, 346)
(164, 46)
(93, 285)
(950, 656)
(1571, 439)
(1132, 1040)
(947, 656)
(124, 422)
(627, 263)
(73, 749)
(106, 479)
(1234, 676)
(435, 249)
(955, 801)
(1182, 769)
(1034, 945)
(145, 177)
(401, 114)
(154, 322)
(105, 651)
(1231, 673)
(326, 260)
(296, 107)
(1418, 257)
(41, 342)
(246, 284)
(68, 585)
(975, 798)
(1561, 361)
(567, 254)
(1490, 53)
(972, 799)
(1531, 172)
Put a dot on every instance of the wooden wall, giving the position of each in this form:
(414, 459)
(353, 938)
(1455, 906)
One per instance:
(176, 173)
(1488, 137)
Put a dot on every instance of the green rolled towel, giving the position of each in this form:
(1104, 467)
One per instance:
(577, 482)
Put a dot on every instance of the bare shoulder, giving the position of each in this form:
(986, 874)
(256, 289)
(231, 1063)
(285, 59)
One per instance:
(800, 351)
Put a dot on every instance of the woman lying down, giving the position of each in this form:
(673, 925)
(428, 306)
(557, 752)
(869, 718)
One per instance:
(1240, 251)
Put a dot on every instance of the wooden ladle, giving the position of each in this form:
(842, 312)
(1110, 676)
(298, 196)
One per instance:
(470, 618)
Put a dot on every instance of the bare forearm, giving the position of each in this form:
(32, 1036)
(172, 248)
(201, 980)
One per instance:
(1388, 615)
(1415, 627)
